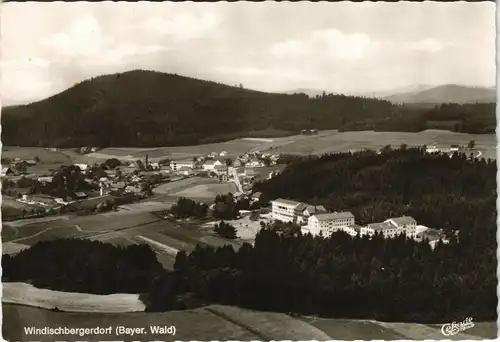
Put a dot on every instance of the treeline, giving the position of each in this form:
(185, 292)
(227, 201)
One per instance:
(145, 108)
(339, 277)
(84, 266)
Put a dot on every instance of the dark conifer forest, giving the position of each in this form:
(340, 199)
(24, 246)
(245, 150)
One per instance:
(145, 108)
(342, 276)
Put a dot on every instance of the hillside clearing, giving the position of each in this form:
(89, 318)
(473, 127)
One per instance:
(26, 294)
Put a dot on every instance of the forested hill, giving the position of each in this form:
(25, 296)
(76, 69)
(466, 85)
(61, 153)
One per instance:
(147, 108)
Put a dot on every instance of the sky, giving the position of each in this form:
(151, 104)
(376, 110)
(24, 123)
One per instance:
(338, 47)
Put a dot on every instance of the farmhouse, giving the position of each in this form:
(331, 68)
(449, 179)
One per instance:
(178, 164)
(7, 171)
(82, 167)
(210, 165)
(255, 163)
(328, 223)
(80, 195)
(185, 170)
(256, 196)
(45, 180)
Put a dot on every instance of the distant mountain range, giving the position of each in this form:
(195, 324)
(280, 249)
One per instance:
(445, 94)
(147, 108)
(422, 94)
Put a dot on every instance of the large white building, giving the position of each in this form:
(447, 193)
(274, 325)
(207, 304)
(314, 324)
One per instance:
(178, 164)
(326, 224)
(404, 224)
(392, 227)
(287, 210)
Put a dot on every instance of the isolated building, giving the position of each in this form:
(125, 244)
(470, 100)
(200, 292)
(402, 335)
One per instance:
(210, 165)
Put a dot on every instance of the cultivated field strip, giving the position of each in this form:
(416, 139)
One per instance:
(26, 294)
(270, 326)
(12, 247)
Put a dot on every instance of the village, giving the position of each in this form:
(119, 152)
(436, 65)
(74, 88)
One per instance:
(28, 192)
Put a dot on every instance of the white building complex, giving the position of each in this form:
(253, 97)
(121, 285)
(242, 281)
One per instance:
(316, 220)
(392, 227)
(326, 224)
(287, 210)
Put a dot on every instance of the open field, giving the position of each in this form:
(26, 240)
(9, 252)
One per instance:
(26, 294)
(329, 141)
(76, 226)
(147, 206)
(208, 191)
(46, 157)
(186, 183)
(217, 322)
(12, 247)
(246, 229)
(333, 141)
(348, 330)
(233, 148)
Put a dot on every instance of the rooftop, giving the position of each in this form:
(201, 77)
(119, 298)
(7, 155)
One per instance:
(334, 216)
(286, 202)
(403, 220)
(380, 226)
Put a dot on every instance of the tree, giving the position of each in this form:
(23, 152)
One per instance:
(471, 144)
(225, 230)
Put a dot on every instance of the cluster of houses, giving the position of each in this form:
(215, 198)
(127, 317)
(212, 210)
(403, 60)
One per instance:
(18, 166)
(318, 221)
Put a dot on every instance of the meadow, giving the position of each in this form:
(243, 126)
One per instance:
(217, 322)
(207, 191)
(330, 141)
(26, 294)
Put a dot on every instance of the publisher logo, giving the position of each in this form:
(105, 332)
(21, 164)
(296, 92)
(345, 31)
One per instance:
(450, 329)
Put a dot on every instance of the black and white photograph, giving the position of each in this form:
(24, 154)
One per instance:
(248, 171)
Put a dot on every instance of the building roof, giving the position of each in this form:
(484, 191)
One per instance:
(300, 207)
(334, 216)
(355, 227)
(183, 161)
(316, 209)
(80, 194)
(378, 227)
(286, 202)
(403, 220)
(257, 194)
(431, 234)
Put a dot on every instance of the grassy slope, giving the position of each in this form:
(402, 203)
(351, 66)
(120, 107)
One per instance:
(218, 322)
